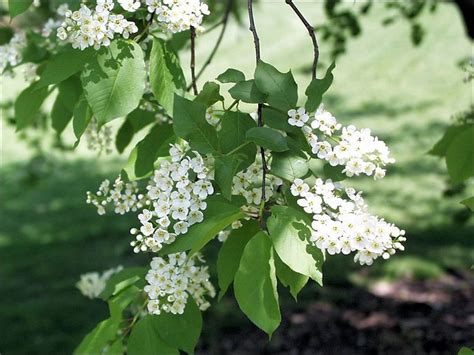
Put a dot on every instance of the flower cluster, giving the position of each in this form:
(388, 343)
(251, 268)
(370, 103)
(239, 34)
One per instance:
(92, 284)
(94, 28)
(10, 54)
(248, 183)
(124, 196)
(177, 192)
(98, 139)
(173, 279)
(178, 15)
(357, 150)
(343, 225)
(53, 24)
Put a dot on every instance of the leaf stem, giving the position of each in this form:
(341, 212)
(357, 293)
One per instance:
(311, 34)
(233, 104)
(193, 61)
(256, 41)
(224, 22)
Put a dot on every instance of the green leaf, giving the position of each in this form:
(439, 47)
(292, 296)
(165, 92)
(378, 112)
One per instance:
(469, 203)
(17, 7)
(64, 65)
(441, 147)
(289, 166)
(82, 115)
(99, 337)
(289, 232)
(69, 93)
(267, 138)
(465, 351)
(6, 34)
(231, 76)
(117, 348)
(145, 339)
(155, 144)
(122, 300)
(219, 214)
(28, 104)
(230, 253)
(134, 122)
(166, 75)
(278, 120)
(317, 88)
(460, 156)
(255, 284)
(247, 91)
(180, 331)
(225, 169)
(114, 81)
(334, 172)
(34, 50)
(231, 137)
(209, 94)
(124, 136)
(179, 40)
(190, 123)
(289, 278)
(117, 278)
(234, 127)
(280, 88)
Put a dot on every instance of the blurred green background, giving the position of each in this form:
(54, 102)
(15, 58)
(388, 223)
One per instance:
(406, 95)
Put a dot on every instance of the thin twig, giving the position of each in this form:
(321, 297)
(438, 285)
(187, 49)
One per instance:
(224, 22)
(143, 34)
(193, 60)
(260, 122)
(311, 34)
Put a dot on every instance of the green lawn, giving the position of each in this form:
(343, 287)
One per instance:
(49, 236)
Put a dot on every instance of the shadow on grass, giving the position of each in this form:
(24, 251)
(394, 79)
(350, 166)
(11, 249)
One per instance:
(49, 236)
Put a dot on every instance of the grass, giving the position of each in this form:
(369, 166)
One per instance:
(49, 236)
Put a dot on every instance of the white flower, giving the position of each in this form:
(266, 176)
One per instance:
(299, 188)
(298, 117)
(147, 229)
(129, 5)
(181, 227)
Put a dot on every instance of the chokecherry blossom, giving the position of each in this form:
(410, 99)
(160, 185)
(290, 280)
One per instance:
(93, 283)
(175, 278)
(94, 28)
(176, 200)
(357, 150)
(342, 224)
(178, 15)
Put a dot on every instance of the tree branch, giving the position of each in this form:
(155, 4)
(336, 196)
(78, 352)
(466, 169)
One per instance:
(260, 122)
(193, 61)
(224, 22)
(311, 34)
